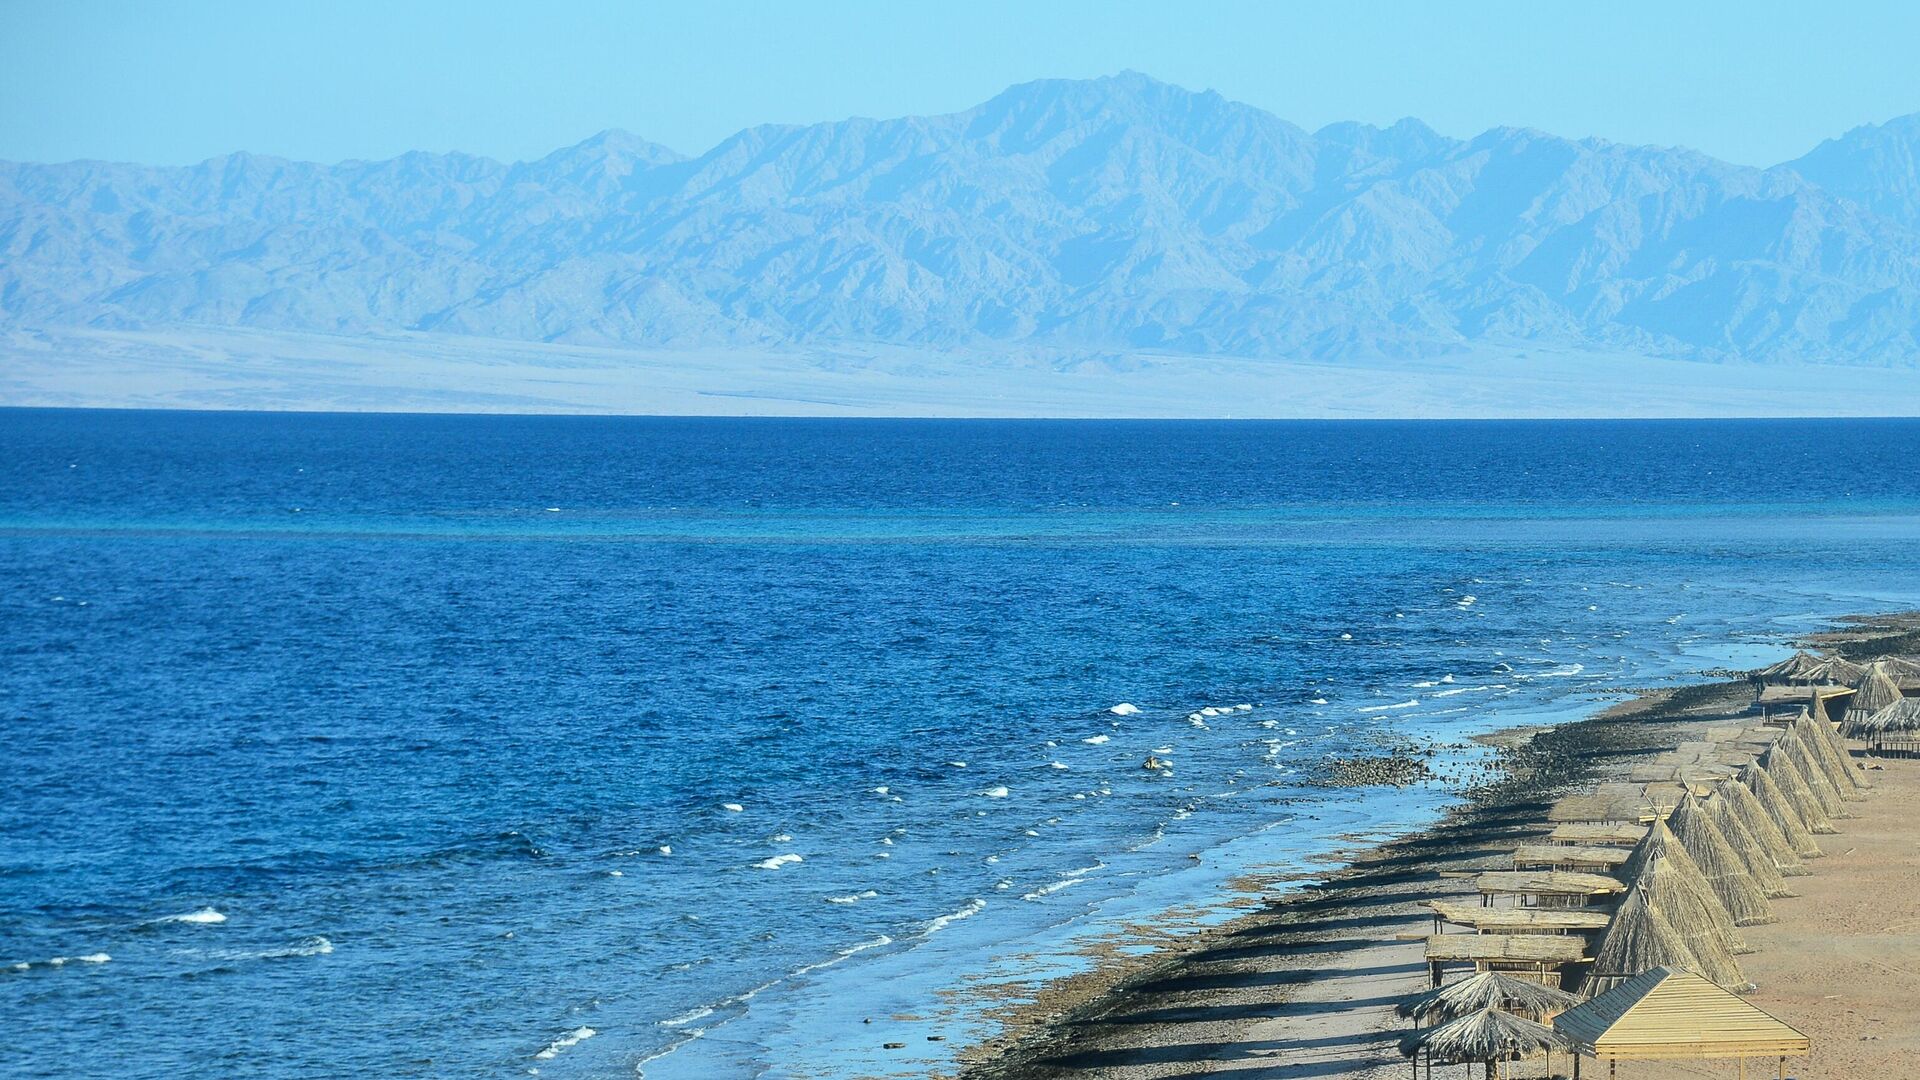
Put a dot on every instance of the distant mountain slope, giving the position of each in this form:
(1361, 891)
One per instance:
(1111, 215)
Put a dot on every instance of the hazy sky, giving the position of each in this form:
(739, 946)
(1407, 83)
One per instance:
(177, 82)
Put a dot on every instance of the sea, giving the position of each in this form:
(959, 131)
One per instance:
(464, 746)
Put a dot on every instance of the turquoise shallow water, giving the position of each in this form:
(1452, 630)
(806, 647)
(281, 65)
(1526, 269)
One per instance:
(353, 743)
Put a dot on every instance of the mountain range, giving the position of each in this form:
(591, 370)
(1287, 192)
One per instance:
(1103, 217)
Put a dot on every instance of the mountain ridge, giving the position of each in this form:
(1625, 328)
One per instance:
(1075, 216)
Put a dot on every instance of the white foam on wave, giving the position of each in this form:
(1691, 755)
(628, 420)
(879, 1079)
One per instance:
(1125, 708)
(205, 916)
(853, 898)
(974, 907)
(779, 861)
(1318, 701)
(850, 951)
(1000, 792)
(687, 1017)
(732, 807)
(1413, 704)
(572, 1038)
(1095, 740)
(1058, 765)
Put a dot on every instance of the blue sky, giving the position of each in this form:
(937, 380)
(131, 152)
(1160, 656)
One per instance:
(1755, 83)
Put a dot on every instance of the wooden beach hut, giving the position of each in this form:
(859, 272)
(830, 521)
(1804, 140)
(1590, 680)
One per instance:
(1545, 888)
(1491, 920)
(1592, 860)
(1597, 833)
(1537, 956)
(1489, 1037)
(1671, 1014)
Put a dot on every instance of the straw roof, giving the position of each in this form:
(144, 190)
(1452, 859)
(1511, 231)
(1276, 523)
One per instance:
(1642, 937)
(1518, 920)
(1832, 756)
(1836, 670)
(1487, 1035)
(1751, 852)
(1878, 689)
(1726, 872)
(1793, 669)
(1904, 669)
(1547, 856)
(1671, 1013)
(1594, 834)
(1743, 804)
(1793, 785)
(1488, 990)
(1902, 715)
(1547, 883)
(1662, 869)
(1552, 950)
(1774, 801)
(1796, 751)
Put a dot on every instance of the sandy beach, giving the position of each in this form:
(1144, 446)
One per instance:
(1306, 988)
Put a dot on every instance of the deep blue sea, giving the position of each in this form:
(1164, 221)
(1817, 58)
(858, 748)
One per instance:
(415, 746)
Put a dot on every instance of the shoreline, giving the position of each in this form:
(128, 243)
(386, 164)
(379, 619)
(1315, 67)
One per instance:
(1213, 1001)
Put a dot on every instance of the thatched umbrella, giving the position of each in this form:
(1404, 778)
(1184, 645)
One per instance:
(1899, 719)
(1878, 689)
(1832, 756)
(1822, 787)
(1794, 786)
(1835, 670)
(1781, 809)
(1741, 803)
(1746, 901)
(1750, 849)
(1485, 1036)
(1644, 936)
(1904, 669)
(1488, 990)
(1793, 669)
(1661, 868)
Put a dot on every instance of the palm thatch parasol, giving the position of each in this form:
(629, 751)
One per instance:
(1662, 869)
(1485, 1036)
(1793, 669)
(1832, 756)
(1796, 751)
(1878, 689)
(1898, 718)
(1766, 791)
(1787, 777)
(1488, 990)
(1904, 669)
(1750, 850)
(1835, 670)
(1725, 871)
(1742, 804)
(1644, 936)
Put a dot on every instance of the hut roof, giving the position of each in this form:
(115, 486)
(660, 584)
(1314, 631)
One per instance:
(1786, 775)
(1623, 833)
(1835, 669)
(1793, 669)
(1902, 715)
(1488, 990)
(1743, 804)
(1795, 748)
(1781, 809)
(1548, 883)
(1726, 872)
(1878, 689)
(1537, 856)
(1752, 851)
(1828, 754)
(1643, 936)
(1511, 920)
(1509, 948)
(1904, 669)
(1487, 1035)
(1672, 1013)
